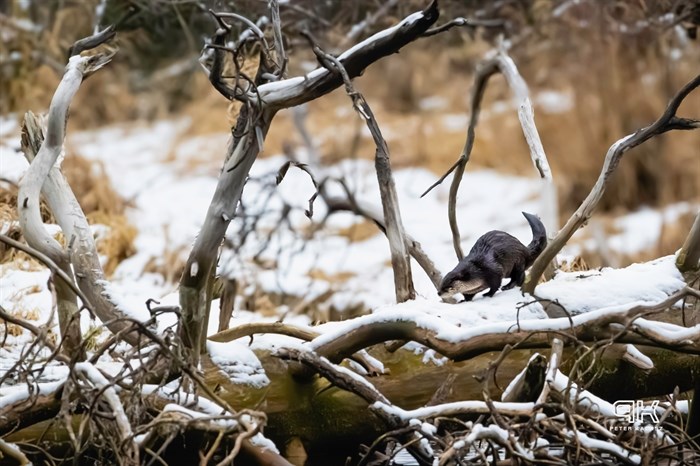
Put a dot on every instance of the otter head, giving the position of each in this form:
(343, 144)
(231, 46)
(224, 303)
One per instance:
(465, 279)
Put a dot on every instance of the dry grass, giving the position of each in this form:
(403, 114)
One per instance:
(92, 187)
(100, 202)
(24, 314)
(671, 238)
(118, 242)
(358, 232)
(616, 83)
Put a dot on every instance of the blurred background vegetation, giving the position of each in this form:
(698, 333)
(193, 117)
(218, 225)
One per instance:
(597, 70)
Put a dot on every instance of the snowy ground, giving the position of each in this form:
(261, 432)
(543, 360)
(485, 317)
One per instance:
(169, 182)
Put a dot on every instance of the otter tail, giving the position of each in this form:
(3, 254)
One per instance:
(539, 237)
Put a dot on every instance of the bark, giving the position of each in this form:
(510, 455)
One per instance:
(321, 415)
(689, 255)
(83, 253)
(622, 325)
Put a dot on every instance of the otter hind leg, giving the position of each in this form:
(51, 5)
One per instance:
(517, 277)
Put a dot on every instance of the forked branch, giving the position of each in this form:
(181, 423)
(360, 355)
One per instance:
(504, 64)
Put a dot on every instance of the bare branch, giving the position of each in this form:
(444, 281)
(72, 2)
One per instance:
(253, 328)
(483, 73)
(28, 198)
(69, 215)
(55, 269)
(666, 122)
(12, 451)
(464, 22)
(403, 280)
(347, 380)
(282, 59)
(552, 370)
(294, 91)
(254, 122)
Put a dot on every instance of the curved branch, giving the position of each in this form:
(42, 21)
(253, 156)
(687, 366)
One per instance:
(394, 230)
(30, 188)
(71, 218)
(666, 122)
(253, 328)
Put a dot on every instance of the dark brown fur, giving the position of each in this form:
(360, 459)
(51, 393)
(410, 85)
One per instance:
(495, 256)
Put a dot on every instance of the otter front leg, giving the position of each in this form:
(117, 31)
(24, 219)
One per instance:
(517, 277)
(493, 276)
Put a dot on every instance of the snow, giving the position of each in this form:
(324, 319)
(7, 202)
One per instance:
(147, 165)
(583, 398)
(640, 359)
(580, 292)
(641, 230)
(603, 445)
(514, 383)
(14, 394)
(238, 362)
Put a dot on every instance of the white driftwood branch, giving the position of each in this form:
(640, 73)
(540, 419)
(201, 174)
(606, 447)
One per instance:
(552, 370)
(30, 188)
(28, 198)
(455, 409)
(526, 115)
(83, 253)
(109, 393)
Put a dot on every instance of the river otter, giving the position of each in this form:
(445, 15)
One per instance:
(495, 256)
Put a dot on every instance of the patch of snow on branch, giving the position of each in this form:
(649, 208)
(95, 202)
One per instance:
(239, 363)
(580, 292)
